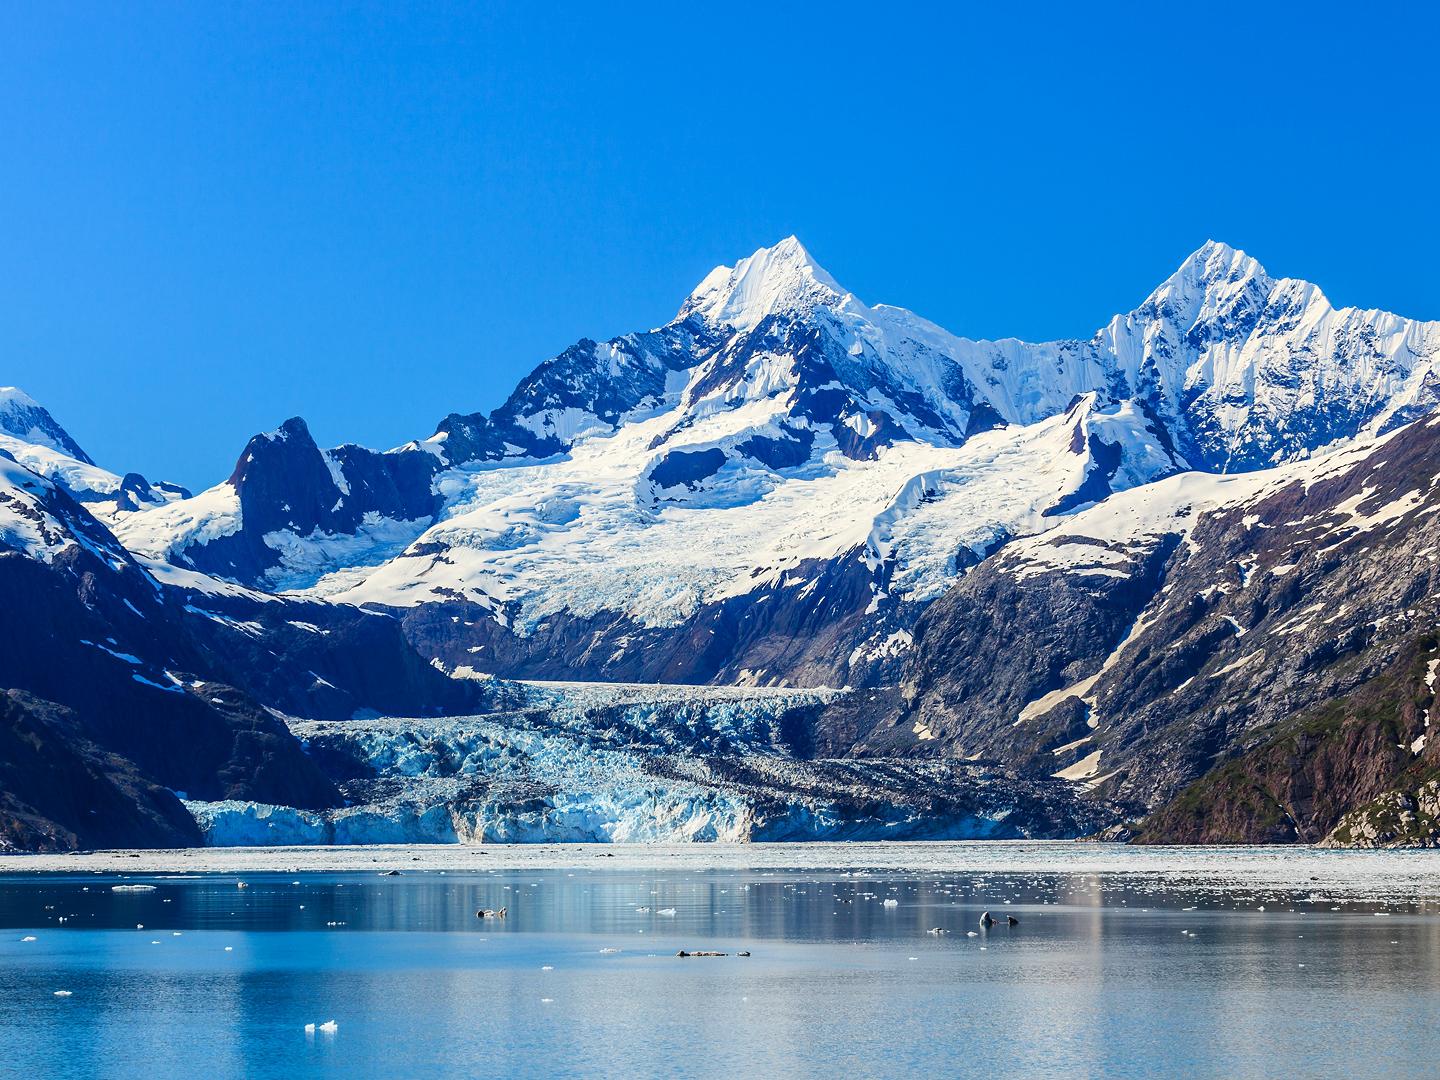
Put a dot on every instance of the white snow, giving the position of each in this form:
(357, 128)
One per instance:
(1083, 769)
(580, 534)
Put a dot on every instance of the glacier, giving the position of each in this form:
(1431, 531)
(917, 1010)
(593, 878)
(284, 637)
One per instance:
(613, 763)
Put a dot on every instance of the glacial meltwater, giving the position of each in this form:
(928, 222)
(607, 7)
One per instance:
(863, 960)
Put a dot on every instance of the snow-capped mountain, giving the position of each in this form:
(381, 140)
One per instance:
(30, 435)
(1097, 571)
(777, 440)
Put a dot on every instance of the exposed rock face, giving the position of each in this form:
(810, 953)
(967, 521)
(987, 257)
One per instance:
(1396, 819)
(1283, 640)
(60, 791)
(1298, 782)
(290, 502)
(801, 630)
(1008, 643)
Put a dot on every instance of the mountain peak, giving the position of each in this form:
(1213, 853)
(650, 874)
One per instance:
(1216, 263)
(1213, 277)
(781, 278)
(26, 419)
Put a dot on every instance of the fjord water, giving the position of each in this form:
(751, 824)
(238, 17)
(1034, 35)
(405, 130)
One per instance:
(1316, 964)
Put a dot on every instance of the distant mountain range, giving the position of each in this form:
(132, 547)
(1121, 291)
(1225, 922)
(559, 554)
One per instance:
(1180, 574)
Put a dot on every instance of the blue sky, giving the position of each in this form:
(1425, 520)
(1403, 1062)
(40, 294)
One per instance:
(215, 216)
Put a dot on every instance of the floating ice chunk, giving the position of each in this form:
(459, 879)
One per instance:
(329, 1027)
(666, 911)
(67, 993)
(891, 903)
(28, 937)
(132, 888)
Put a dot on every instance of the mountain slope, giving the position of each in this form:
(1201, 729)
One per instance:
(1247, 623)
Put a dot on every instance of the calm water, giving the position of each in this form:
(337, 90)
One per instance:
(1106, 975)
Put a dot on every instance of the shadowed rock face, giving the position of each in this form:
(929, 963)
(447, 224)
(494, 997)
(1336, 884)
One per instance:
(60, 791)
(286, 486)
(800, 632)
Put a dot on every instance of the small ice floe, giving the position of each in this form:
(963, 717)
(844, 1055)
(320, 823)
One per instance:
(608, 950)
(666, 911)
(329, 1027)
(63, 993)
(132, 888)
(547, 967)
(229, 948)
(642, 911)
(936, 931)
(890, 903)
(971, 933)
(547, 1001)
(28, 937)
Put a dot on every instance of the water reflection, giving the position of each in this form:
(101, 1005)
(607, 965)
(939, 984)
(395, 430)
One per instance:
(1103, 975)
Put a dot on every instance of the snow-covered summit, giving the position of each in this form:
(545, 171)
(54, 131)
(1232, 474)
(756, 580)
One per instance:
(780, 280)
(24, 418)
(31, 436)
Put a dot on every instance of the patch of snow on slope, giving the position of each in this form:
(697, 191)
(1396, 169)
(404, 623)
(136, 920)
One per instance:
(167, 530)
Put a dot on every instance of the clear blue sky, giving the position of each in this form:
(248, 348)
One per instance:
(214, 216)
